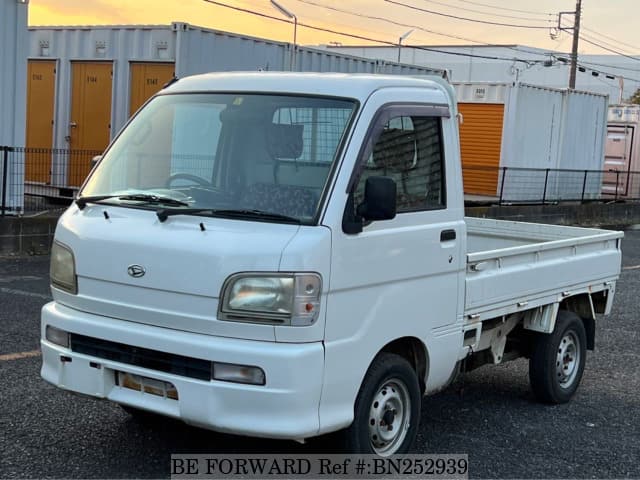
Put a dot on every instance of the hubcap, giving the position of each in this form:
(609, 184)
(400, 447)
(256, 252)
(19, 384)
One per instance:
(389, 417)
(568, 359)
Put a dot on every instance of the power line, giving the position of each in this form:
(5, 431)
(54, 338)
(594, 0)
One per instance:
(475, 20)
(531, 12)
(605, 43)
(608, 49)
(408, 25)
(369, 39)
(609, 73)
(589, 37)
(473, 10)
(610, 66)
(385, 42)
(633, 47)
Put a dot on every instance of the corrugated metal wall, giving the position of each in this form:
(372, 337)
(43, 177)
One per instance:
(13, 84)
(201, 50)
(584, 131)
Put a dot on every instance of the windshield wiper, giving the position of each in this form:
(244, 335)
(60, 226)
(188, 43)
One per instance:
(140, 197)
(164, 213)
(260, 214)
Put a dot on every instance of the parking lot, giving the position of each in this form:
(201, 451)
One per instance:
(490, 414)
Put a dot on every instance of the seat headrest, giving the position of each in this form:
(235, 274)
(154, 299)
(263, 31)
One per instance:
(395, 150)
(285, 141)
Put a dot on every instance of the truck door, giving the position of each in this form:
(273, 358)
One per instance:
(401, 278)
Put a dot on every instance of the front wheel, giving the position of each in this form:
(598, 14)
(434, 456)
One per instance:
(387, 409)
(557, 363)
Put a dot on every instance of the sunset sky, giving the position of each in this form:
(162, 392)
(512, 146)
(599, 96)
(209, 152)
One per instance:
(612, 23)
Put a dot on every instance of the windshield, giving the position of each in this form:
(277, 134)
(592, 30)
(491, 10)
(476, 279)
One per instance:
(210, 153)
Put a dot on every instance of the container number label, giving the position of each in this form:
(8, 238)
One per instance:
(92, 79)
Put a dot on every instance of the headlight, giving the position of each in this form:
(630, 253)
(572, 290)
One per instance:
(63, 268)
(287, 299)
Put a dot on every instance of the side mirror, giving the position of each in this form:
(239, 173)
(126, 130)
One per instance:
(379, 199)
(95, 160)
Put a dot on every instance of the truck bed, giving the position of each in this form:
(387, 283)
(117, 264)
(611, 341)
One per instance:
(515, 266)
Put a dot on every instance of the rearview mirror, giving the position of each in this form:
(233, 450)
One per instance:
(95, 160)
(379, 199)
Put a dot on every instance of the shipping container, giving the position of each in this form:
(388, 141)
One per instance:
(541, 139)
(622, 152)
(141, 59)
(13, 86)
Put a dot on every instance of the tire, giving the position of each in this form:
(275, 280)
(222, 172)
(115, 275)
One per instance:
(387, 409)
(557, 362)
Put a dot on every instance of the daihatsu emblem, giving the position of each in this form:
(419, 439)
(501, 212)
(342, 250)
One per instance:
(136, 271)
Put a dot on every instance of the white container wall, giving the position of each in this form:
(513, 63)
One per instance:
(200, 50)
(13, 75)
(546, 128)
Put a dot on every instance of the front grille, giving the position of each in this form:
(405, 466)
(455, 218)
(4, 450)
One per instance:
(142, 357)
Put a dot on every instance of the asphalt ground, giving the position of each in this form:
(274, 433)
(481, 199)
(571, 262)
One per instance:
(46, 432)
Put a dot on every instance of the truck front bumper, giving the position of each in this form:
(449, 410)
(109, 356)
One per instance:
(285, 407)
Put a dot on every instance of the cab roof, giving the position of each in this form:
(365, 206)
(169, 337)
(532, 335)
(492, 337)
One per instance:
(357, 86)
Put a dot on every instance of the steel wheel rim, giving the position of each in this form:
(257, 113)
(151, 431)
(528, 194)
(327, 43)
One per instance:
(389, 417)
(568, 359)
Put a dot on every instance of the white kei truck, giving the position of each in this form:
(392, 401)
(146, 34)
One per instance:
(285, 255)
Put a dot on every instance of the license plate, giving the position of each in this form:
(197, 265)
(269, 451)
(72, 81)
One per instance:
(148, 385)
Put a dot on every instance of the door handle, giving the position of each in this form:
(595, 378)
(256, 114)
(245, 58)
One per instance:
(447, 235)
(73, 124)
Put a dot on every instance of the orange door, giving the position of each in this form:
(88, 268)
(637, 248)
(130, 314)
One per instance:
(41, 87)
(90, 121)
(146, 80)
(480, 146)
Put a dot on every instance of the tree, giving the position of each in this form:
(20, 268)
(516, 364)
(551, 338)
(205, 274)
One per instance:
(635, 98)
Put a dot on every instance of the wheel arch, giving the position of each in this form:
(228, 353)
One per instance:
(582, 305)
(414, 351)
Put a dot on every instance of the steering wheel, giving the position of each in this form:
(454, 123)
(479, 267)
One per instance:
(187, 176)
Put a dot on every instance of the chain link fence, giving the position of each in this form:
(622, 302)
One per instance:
(539, 186)
(36, 179)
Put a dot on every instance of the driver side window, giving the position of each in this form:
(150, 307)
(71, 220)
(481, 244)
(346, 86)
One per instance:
(196, 129)
(409, 150)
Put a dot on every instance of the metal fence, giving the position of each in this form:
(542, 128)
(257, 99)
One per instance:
(37, 179)
(539, 186)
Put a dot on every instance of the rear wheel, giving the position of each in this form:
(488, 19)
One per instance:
(557, 363)
(387, 409)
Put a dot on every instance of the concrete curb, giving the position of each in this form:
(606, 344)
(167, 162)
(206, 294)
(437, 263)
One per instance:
(27, 235)
(608, 215)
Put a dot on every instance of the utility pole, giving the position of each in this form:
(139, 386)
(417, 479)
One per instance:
(574, 49)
